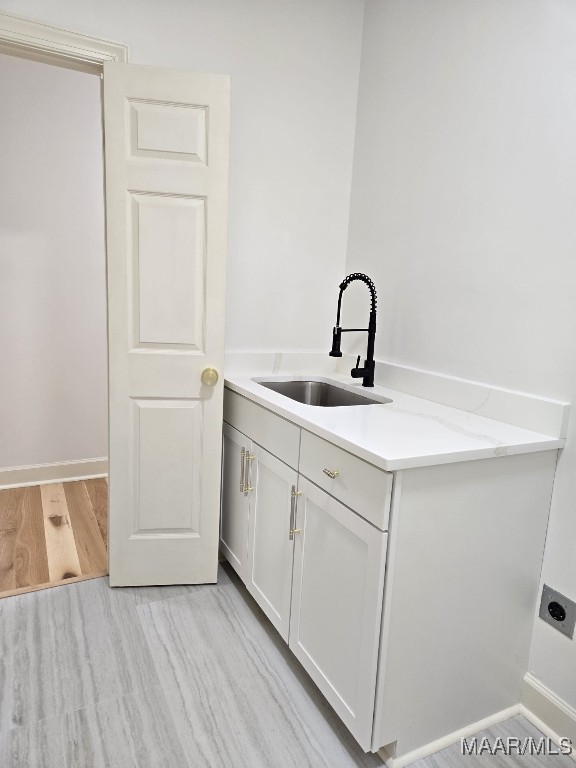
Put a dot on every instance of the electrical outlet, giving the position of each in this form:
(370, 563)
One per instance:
(558, 611)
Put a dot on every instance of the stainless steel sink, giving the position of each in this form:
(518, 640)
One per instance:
(321, 393)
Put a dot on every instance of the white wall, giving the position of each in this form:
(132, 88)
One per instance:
(294, 67)
(463, 212)
(53, 392)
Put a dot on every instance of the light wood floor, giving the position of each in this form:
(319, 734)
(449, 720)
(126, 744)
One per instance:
(52, 534)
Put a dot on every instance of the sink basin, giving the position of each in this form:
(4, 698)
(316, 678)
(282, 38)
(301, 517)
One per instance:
(321, 393)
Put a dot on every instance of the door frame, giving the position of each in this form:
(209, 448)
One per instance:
(35, 41)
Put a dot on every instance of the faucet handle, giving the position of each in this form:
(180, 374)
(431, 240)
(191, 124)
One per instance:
(357, 372)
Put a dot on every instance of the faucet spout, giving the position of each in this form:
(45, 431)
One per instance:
(366, 373)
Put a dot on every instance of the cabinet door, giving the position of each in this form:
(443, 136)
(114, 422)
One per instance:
(270, 546)
(337, 597)
(234, 517)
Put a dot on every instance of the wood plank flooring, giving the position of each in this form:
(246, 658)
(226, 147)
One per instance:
(174, 677)
(52, 534)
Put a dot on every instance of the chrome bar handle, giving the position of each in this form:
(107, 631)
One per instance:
(242, 469)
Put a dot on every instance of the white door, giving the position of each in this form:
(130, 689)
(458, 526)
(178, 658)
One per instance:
(166, 153)
(337, 598)
(234, 519)
(270, 540)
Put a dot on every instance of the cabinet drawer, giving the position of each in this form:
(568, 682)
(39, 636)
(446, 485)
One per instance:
(361, 486)
(277, 435)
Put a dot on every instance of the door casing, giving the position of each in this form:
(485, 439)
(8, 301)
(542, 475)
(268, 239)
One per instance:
(50, 45)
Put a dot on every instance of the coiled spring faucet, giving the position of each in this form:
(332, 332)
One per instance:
(367, 372)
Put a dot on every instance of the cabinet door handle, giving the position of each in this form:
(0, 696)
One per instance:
(242, 469)
(333, 473)
(293, 502)
(249, 457)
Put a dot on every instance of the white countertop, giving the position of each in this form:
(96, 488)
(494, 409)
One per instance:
(408, 432)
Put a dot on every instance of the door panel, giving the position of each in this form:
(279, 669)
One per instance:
(166, 190)
(157, 128)
(337, 598)
(167, 442)
(234, 521)
(270, 549)
(169, 270)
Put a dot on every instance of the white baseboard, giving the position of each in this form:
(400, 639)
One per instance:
(543, 708)
(17, 477)
(548, 712)
(446, 741)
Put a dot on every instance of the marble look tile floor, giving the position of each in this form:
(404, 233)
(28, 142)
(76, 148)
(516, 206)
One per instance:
(172, 677)
(517, 727)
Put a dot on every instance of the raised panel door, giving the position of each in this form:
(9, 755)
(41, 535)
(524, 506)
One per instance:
(166, 198)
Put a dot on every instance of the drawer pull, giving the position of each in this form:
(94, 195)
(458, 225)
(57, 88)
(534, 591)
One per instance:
(332, 473)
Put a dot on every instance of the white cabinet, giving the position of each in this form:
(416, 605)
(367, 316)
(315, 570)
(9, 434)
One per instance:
(415, 659)
(258, 497)
(234, 515)
(337, 595)
(270, 545)
(314, 566)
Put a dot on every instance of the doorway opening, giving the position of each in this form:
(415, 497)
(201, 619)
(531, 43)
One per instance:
(166, 155)
(53, 390)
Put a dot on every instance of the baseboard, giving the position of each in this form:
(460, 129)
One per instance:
(17, 477)
(543, 708)
(547, 711)
(393, 761)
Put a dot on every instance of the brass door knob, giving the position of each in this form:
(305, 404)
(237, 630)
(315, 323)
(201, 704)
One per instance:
(209, 376)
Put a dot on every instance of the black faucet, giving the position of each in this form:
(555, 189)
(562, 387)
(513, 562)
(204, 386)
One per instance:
(367, 372)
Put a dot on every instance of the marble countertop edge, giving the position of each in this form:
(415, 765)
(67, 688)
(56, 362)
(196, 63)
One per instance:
(410, 432)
